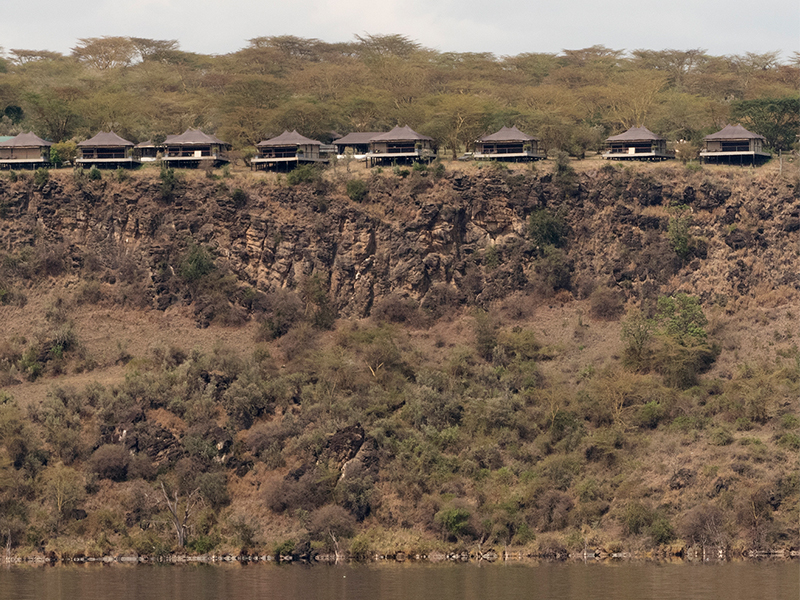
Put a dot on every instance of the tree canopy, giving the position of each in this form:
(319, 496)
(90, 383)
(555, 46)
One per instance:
(143, 88)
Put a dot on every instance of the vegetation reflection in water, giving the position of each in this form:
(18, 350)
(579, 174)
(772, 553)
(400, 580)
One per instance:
(620, 581)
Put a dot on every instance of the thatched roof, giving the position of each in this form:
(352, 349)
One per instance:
(734, 132)
(635, 134)
(507, 134)
(26, 140)
(105, 139)
(400, 134)
(357, 137)
(193, 137)
(288, 138)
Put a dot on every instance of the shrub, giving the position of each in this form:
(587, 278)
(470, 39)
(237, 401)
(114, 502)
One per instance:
(303, 174)
(95, 174)
(110, 461)
(606, 303)
(196, 263)
(554, 269)
(547, 229)
(399, 172)
(636, 518)
(702, 524)
(62, 152)
(453, 520)
(790, 441)
(314, 293)
(678, 232)
(213, 488)
(41, 177)
(650, 414)
(396, 309)
(552, 510)
(637, 333)
(563, 173)
(661, 531)
(282, 309)
(330, 520)
(442, 300)
(719, 436)
(121, 175)
(357, 190)
(239, 198)
(169, 183)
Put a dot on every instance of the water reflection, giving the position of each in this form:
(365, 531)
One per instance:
(596, 581)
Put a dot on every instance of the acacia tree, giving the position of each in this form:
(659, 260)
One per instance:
(107, 52)
(633, 95)
(457, 120)
(777, 119)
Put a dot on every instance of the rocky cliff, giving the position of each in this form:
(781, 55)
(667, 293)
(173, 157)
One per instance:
(719, 234)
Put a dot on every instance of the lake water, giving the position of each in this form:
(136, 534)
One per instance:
(768, 580)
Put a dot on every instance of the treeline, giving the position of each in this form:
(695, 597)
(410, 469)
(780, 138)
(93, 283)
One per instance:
(145, 89)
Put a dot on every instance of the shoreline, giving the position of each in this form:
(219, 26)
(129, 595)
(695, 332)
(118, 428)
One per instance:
(691, 555)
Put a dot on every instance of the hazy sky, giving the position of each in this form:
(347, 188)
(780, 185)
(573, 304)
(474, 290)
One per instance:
(504, 27)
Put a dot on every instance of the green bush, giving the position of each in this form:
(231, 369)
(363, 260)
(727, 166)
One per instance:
(678, 232)
(357, 190)
(719, 436)
(213, 488)
(41, 177)
(239, 198)
(563, 173)
(169, 183)
(196, 263)
(400, 172)
(650, 414)
(547, 229)
(661, 531)
(554, 269)
(636, 518)
(303, 174)
(453, 520)
(95, 174)
(790, 441)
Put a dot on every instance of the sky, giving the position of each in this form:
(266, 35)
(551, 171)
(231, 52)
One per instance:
(502, 27)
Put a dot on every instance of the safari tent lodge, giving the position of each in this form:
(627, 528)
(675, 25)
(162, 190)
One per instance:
(401, 144)
(106, 150)
(733, 144)
(288, 150)
(357, 142)
(24, 151)
(193, 149)
(638, 143)
(508, 144)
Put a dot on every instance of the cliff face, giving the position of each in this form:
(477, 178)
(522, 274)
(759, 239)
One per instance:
(530, 421)
(466, 234)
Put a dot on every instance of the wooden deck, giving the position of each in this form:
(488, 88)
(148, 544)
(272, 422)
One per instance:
(742, 157)
(639, 154)
(126, 162)
(23, 163)
(524, 155)
(417, 155)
